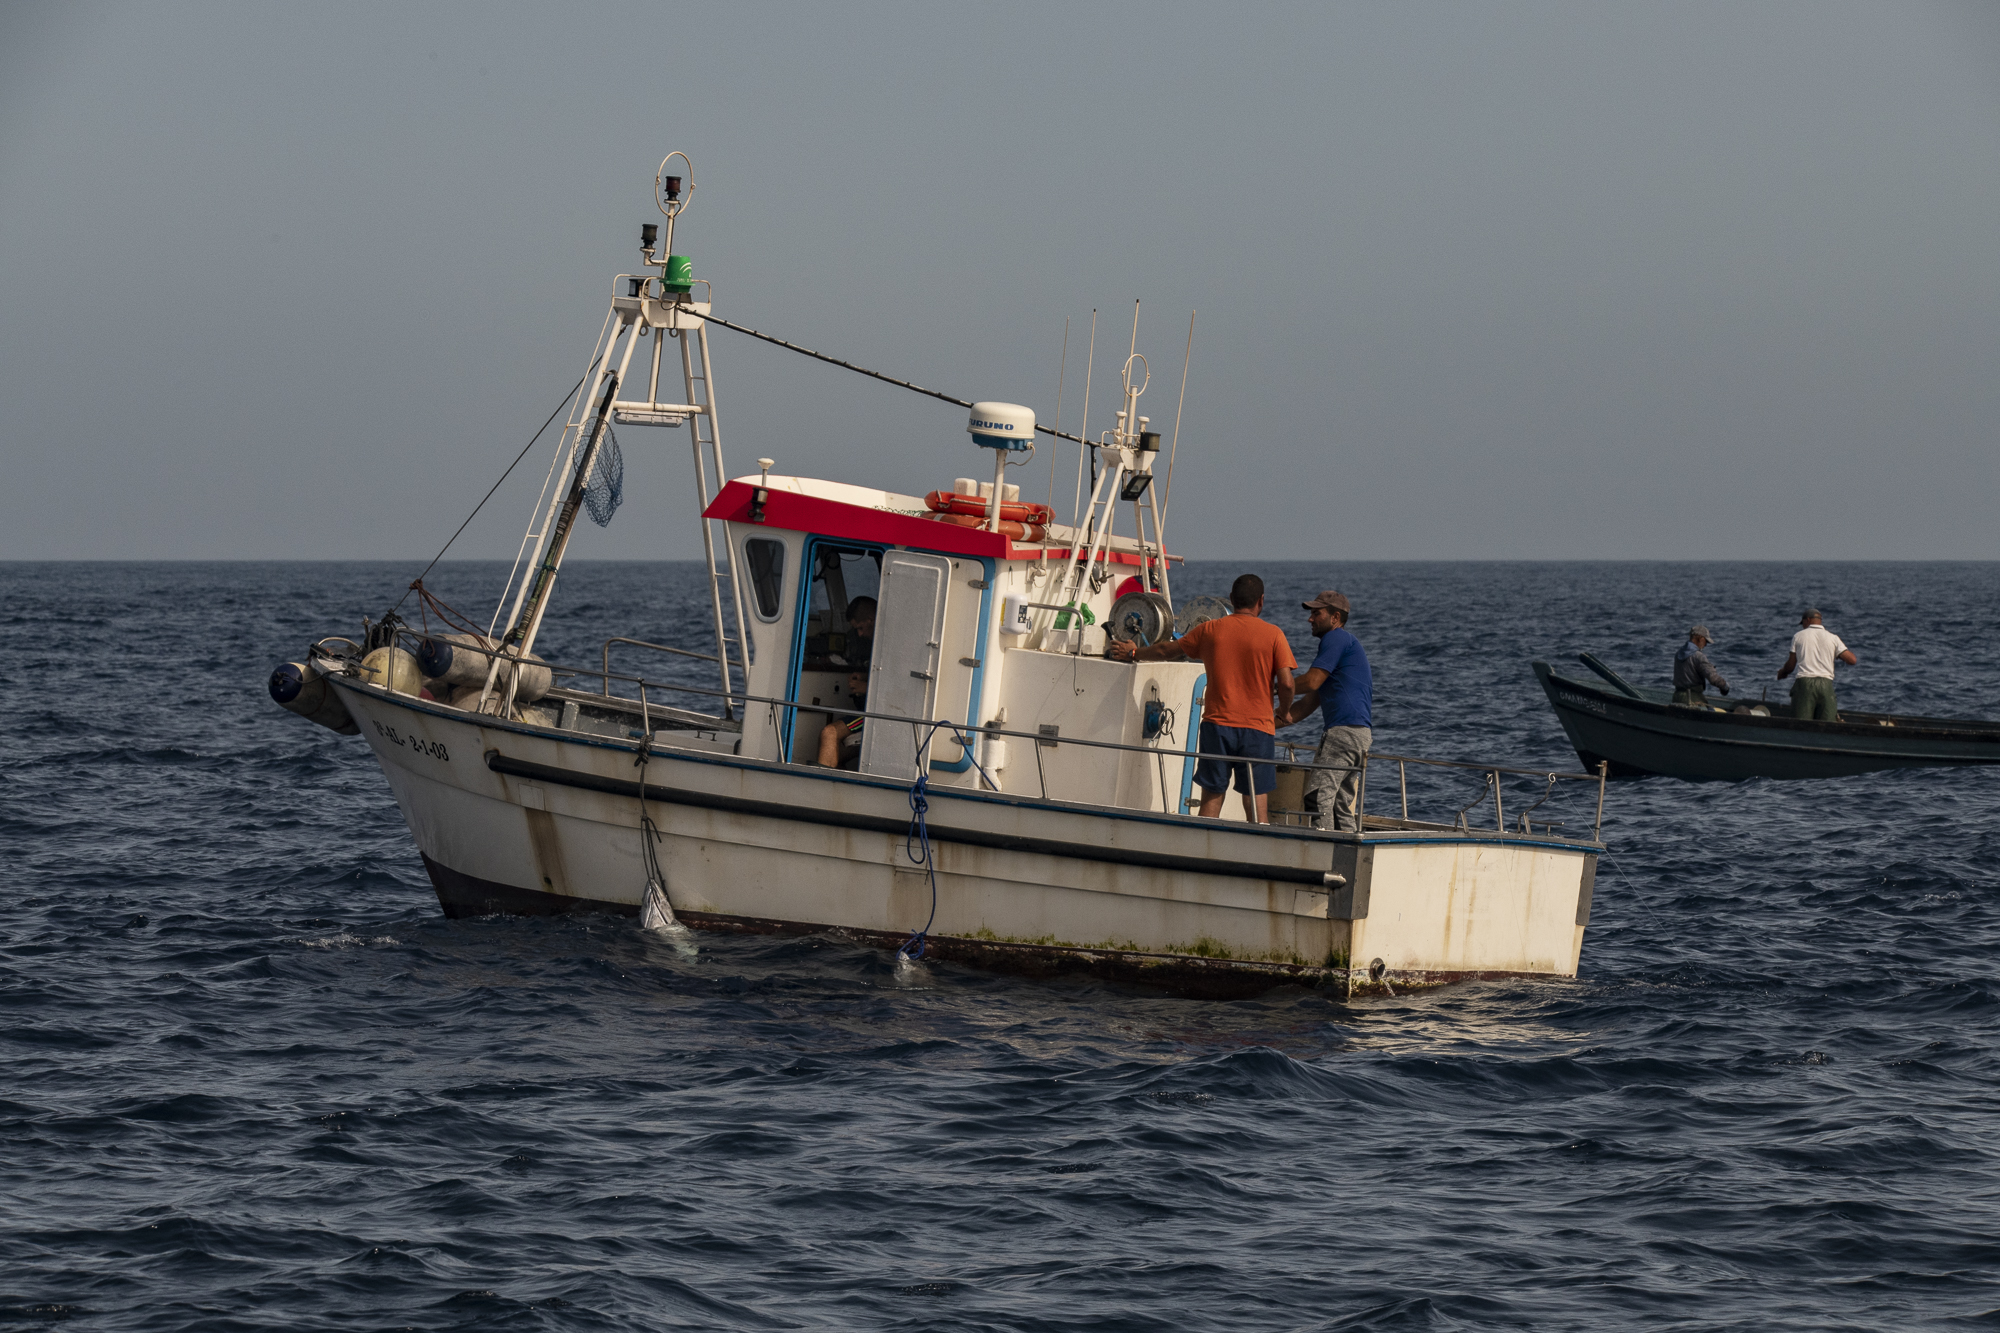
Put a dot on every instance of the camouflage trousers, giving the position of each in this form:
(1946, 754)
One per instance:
(1339, 793)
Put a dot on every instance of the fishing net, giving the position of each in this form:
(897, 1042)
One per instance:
(604, 491)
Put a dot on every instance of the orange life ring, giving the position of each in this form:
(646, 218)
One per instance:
(1020, 532)
(945, 502)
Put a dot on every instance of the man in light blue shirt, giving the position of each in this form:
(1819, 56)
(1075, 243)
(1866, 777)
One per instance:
(1339, 684)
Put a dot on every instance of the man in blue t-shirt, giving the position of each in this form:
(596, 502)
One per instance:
(1340, 685)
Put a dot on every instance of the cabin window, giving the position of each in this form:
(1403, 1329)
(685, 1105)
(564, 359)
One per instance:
(767, 574)
(829, 646)
(841, 577)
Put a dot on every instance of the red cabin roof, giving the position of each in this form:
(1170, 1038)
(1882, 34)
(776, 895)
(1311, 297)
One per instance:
(791, 505)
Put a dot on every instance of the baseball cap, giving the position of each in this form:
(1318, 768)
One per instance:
(1701, 632)
(1330, 601)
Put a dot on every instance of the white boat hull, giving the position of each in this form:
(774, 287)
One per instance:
(517, 818)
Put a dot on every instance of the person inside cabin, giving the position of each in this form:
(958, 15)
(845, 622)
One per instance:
(859, 649)
(1248, 660)
(1693, 671)
(1341, 686)
(1815, 649)
(840, 739)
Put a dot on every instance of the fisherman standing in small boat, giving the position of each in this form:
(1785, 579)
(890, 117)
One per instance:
(1340, 684)
(1248, 660)
(1693, 671)
(1815, 649)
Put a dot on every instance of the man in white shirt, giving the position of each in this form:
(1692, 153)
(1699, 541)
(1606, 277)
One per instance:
(1815, 649)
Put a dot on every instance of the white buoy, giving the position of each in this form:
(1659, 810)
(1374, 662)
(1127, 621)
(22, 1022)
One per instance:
(456, 661)
(394, 669)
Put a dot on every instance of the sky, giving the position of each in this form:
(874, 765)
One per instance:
(1470, 281)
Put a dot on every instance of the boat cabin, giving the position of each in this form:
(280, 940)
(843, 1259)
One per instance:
(967, 632)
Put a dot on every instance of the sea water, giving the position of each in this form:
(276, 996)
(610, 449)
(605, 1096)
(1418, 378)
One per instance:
(250, 1078)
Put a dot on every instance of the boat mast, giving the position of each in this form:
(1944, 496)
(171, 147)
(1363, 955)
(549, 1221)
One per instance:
(634, 315)
(680, 316)
(1132, 449)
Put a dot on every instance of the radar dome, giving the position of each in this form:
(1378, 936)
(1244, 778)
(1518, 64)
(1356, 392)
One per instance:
(1002, 426)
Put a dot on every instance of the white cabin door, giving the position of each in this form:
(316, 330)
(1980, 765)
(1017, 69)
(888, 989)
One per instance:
(902, 678)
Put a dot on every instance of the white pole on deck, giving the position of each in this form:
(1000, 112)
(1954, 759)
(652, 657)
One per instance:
(1174, 447)
(607, 339)
(1083, 434)
(999, 490)
(566, 525)
(701, 498)
(1062, 368)
(729, 549)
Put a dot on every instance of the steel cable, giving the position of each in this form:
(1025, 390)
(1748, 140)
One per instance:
(496, 486)
(872, 374)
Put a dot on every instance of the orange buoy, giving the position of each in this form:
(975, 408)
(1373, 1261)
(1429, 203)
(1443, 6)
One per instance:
(945, 502)
(1013, 531)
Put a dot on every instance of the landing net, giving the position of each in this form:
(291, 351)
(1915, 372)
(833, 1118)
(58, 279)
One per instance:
(605, 490)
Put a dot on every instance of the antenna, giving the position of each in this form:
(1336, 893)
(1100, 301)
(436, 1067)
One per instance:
(673, 199)
(1062, 368)
(1168, 498)
(1127, 432)
(1083, 432)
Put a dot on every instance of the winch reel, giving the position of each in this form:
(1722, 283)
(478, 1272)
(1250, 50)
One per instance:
(1140, 618)
(1197, 609)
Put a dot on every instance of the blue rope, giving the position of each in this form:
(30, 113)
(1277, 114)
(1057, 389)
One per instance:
(920, 833)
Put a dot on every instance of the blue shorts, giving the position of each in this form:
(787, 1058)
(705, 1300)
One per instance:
(1213, 774)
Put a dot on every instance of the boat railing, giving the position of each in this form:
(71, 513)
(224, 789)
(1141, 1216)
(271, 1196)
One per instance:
(605, 675)
(961, 731)
(1491, 775)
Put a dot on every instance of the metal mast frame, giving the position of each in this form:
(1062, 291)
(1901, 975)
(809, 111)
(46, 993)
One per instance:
(648, 306)
(1127, 457)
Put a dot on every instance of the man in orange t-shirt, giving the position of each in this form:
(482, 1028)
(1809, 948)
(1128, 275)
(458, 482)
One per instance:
(1248, 660)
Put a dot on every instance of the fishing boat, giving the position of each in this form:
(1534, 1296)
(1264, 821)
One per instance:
(1016, 799)
(1638, 731)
